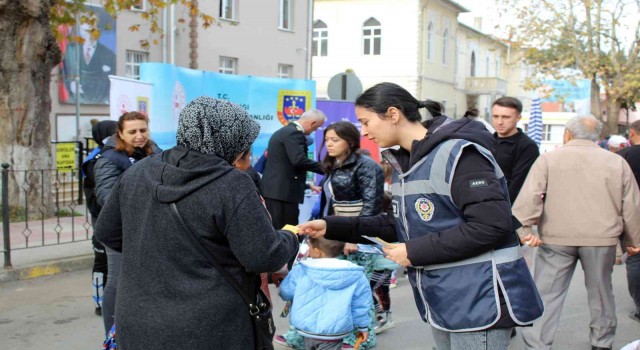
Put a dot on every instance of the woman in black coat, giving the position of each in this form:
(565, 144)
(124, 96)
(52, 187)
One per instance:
(169, 294)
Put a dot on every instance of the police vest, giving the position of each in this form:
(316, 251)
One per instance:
(461, 296)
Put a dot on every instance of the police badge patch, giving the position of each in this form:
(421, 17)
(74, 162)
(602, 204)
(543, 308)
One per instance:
(425, 209)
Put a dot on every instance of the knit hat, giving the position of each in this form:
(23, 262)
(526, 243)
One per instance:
(213, 126)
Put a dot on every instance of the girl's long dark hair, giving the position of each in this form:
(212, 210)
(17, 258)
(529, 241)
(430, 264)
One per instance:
(345, 131)
(380, 97)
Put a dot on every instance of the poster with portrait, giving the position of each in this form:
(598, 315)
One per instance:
(91, 61)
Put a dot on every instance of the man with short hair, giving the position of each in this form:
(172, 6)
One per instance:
(632, 156)
(515, 151)
(563, 196)
(285, 172)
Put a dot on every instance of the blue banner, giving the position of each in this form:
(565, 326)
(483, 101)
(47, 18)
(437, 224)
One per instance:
(272, 102)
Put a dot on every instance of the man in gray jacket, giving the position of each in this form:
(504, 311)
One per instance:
(582, 198)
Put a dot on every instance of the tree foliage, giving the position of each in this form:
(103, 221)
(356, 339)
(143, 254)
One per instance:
(65, 12)
(568, 39)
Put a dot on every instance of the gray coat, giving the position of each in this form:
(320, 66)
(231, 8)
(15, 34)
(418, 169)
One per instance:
(169, 296)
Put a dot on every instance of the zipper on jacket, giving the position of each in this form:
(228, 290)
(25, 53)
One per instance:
(404, 209)
(421, 292)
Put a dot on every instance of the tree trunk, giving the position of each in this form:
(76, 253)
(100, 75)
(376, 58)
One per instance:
(613, 115)
(595, 99)
(29, 52)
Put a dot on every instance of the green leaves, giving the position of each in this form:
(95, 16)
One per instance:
(65, 14)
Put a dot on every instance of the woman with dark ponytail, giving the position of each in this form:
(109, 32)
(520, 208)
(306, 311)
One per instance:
(452, 217)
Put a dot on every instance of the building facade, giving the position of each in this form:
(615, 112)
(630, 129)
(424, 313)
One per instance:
(417, 44)
(268, 38)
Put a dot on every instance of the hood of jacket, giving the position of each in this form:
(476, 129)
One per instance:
(441, 129)
(332, 273)
(102, 130)
(180, 171)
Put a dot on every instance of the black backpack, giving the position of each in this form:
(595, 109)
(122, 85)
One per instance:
(89, 186)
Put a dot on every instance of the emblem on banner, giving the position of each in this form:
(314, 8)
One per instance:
(425, 209)
(143, 105)
(124, 104)
(179, 100)
(291, 104)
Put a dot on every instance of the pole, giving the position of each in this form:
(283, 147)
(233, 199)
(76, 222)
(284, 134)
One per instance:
(77, 93)
(5, 216)
(80, 179)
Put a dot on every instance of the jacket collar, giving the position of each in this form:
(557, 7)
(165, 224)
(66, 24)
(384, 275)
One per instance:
(509, 139)
(298, 126)
(580, 142)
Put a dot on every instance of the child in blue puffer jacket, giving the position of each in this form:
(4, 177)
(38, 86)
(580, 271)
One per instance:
(330, 297)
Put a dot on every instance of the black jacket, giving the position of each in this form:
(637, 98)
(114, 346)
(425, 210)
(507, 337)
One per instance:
(286, 170)
(111, 164)
(486, 209)
(515, 155)
(358, 178)
(632, 156)
(169, 296)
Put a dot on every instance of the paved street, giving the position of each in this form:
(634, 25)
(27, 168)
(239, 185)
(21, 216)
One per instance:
(55, 312)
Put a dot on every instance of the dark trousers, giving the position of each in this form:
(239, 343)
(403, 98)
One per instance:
(633, 279)
(282, 213)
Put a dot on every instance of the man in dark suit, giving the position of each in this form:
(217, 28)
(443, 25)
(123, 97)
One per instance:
(283, 180)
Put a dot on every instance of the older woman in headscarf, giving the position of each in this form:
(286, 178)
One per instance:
(169, 295)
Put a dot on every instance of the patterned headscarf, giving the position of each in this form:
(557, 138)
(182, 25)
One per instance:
(212, 126)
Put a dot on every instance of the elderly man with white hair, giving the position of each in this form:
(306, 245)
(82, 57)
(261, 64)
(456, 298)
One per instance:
(582, 198)
(285, 173)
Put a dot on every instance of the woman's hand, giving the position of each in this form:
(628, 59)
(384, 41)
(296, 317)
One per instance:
(349, 248)
(397, 253)
(313, 228)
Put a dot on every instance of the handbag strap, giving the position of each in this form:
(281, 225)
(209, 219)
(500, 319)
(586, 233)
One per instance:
(253, 308)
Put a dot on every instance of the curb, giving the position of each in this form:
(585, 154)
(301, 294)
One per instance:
(47, 268)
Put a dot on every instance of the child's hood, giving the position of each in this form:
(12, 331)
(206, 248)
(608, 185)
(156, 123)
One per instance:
(332, 273)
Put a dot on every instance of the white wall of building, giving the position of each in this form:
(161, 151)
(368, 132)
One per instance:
(398, 60)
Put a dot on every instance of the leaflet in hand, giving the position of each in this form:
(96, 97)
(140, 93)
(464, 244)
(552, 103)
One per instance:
(379, 241)
(370, 249)
(291, 228)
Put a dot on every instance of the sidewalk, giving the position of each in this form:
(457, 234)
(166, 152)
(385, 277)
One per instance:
(53, 258)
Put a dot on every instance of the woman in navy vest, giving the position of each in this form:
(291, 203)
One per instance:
(452, 217)
(130, 144)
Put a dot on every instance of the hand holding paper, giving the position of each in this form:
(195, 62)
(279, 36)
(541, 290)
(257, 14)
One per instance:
(291, 228)
(397, 253)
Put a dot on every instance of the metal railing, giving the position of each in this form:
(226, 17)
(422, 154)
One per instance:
(39, 209)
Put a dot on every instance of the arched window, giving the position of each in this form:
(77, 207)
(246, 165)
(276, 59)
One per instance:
(445, 45)
(497, 67)
(320, 45)
(473, 63)
(371, 37)
(430, 41)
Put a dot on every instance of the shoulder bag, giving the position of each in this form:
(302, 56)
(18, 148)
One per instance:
(259, 306)
(345, 208)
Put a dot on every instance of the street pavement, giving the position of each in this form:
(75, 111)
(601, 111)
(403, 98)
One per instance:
(56, 312)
